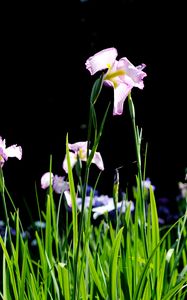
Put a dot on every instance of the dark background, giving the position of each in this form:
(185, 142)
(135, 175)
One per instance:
(45, 89)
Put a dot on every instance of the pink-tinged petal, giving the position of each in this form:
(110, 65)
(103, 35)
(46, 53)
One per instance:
(14, 151)
(2, 143)
(101, 60)
(45, 180)
(73, 160)
(2, 161)
(97, 159)
(141, 67)
(120, 94)
(76, 146)
(133, 75)
(3, 155)
(68, 198)
(60, 185)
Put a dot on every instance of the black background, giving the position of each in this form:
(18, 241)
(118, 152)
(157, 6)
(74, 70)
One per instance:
(45, 89)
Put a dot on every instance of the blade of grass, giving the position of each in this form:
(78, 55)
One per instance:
(73, 198)
(10, 269)
(52, 273)
(94, 274)
(23, 271)
(74, 216)
(113, 267)
(141, 282)
(155, 237)
(172, 292)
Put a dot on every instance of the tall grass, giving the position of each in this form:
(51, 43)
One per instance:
(131, 258)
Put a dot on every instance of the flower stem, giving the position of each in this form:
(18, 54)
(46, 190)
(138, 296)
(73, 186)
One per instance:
(2, 191)
(137, 138)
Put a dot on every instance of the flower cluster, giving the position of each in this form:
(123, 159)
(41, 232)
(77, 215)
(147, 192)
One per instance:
(122, 75)
(100, 204)
(78, 151)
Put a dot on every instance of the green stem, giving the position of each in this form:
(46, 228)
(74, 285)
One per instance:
(97, 135)
(2, 191)
(137, 138)
(92, 121)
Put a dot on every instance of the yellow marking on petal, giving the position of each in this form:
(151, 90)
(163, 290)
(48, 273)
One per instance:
(115, 83)
(117, 73)
(108, 66)
(81, 154)
(112, 75)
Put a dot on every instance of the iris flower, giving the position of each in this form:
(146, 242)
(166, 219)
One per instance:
(12, 151)
(121, 74)
(79, 151)
(109, 207)
(100, 204)
(147, 184)
(58, 183)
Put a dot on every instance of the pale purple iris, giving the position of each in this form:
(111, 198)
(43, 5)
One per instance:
(100, 204)
(122, 75)
(12, 151)
(78, 201)
(79, 151)
(109, 207)
(147, 184)
(58, 183)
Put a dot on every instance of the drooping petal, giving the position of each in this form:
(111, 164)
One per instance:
(120, 94)
(60, 185)
(97, 159)
(100, 210)
(14, 151)
(133, 75)
(101, 60)
(45, 180)
(73, 160)
(109, 207)
(68, 198)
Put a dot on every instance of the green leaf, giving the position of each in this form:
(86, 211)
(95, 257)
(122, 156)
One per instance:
(113, 267)
(141, 282)
(10, 268)
(73, 198)
(96, 89)
(173, 291)
(155, 237)
(1, 181)
(94, 274)
(55, 283)
(23, 271)
(65, 280)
